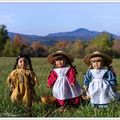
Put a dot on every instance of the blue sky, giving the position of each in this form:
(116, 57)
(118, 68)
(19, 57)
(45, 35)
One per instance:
(42, 18)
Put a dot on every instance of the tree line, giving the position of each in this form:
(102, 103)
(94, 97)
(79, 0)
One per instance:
(103, 42)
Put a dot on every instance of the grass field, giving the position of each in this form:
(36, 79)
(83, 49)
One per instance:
(42, 69)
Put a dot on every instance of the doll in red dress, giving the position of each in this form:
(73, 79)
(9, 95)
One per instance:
(62, 79)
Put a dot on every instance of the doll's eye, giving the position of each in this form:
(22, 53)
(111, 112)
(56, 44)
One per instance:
(25, 61)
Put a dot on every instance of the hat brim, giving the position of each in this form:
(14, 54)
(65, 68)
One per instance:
(106, 57)
(50, 57)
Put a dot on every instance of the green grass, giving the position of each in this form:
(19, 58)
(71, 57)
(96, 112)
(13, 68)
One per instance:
(42, 69)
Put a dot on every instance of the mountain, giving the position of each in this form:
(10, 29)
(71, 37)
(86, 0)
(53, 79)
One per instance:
(81, 33)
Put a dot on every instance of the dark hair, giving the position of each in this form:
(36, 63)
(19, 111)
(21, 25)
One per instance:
(72, 65)
(23, 56)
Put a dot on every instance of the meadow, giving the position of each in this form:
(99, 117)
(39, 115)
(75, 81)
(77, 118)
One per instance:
(42, 69)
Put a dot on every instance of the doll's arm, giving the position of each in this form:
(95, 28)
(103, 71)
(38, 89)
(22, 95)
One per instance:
(51, 79)
(87, 79)
(8, 80)
(112, 78)
(11, 77)
(9, 84)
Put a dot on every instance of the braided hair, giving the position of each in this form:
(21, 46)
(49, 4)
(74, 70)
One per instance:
(23, 56)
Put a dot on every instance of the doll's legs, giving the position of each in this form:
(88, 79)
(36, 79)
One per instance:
(74, 101)
(103, 106)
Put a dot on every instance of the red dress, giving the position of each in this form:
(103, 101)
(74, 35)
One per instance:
(72, 81)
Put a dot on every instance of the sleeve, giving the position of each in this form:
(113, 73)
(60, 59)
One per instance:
(36, 79)
(10, 83)
(51, 78)
(10, 78)
(71, 75)
(87, 78)
(111, 77)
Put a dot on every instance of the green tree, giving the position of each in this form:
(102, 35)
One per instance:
(3, 36)
(104, 39)
(10, 50)
(102, 42)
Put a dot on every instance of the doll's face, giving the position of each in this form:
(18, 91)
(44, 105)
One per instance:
(22, 63)
(97, 64)
(60, 62)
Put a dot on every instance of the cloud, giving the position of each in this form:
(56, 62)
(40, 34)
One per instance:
(7, 19)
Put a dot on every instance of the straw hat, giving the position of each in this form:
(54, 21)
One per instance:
(106, 57)
(50, 57)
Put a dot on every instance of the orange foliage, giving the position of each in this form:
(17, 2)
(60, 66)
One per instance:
(19, 41)
(36, 45)
(61, 44)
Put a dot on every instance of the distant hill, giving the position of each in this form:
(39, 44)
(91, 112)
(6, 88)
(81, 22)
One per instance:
(81, 33)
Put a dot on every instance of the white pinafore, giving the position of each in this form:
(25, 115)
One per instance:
(62, 89)
(99, 89)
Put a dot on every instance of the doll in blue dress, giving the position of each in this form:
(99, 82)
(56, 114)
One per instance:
(99, 80)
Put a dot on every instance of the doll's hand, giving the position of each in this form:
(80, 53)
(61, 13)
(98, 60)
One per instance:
(72, 84)
(85, 87)
(48, 86)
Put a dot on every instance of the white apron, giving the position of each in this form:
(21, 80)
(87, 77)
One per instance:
(62, 89)
(99, 89)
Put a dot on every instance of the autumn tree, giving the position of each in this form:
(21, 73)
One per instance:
(61, 44)
(116, 48)
(39, 49)
(20, 42)
(77, 49)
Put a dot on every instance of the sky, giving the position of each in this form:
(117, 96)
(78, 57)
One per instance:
(43, 18)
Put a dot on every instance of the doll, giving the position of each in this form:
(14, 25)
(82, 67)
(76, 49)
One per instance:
(22, 81)
(63, 79)
(99, 79)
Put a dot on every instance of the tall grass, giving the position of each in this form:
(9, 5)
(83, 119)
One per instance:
(42, 69)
